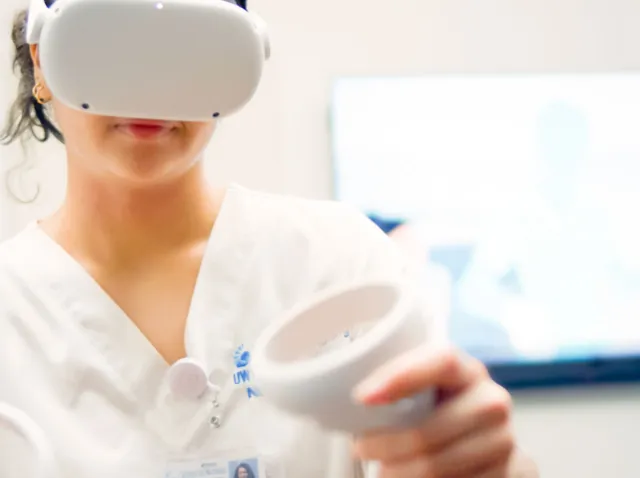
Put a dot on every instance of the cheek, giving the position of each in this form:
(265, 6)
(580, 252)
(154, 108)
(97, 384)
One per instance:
(82, 131)
(93, 136)
(198, 135)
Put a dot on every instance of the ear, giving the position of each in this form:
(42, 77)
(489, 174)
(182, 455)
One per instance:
(35, 57)
(38, 78)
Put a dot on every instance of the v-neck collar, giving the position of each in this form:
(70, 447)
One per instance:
(209, 326)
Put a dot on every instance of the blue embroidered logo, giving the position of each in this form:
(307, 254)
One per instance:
(242, 359)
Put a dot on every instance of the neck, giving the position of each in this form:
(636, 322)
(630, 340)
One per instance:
(111, 224)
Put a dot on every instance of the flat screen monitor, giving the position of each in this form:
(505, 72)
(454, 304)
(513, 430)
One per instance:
(522, 196)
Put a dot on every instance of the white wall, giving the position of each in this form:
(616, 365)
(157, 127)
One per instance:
(280, 143)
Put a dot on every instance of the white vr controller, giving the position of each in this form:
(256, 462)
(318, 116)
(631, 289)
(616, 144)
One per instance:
(179, 60)
(295, 376)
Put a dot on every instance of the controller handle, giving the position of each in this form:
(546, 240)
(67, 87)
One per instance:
(292, 377)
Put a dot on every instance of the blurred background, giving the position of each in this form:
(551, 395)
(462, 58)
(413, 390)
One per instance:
(359, 94)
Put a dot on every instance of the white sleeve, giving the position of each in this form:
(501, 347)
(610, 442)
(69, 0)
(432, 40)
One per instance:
(374, 255)
(17, 453)
(369, 252)
(18, 456)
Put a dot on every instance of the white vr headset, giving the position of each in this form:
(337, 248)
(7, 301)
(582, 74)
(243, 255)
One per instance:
(180, 60)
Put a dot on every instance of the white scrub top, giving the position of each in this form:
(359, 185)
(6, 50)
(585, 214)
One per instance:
(72, 360)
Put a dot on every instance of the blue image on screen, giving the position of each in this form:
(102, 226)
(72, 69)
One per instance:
(524, 192)
(247, 468)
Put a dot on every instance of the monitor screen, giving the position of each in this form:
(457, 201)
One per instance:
(522, 195)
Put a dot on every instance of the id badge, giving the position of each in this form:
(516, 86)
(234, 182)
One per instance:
(244, 464)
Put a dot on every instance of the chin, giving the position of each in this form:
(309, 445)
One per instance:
(153, 172)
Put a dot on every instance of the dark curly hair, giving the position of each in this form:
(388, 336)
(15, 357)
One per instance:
(246, 468)
(26, 116)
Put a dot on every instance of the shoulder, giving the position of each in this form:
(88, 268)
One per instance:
(19, 249)
(22, 258)
(16, 299)
(325, 233)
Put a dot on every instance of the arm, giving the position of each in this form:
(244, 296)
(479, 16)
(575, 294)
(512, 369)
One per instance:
(471, 395)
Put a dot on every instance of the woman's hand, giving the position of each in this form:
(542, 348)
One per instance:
(469, 433)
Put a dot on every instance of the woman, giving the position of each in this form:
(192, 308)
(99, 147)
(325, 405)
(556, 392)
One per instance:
(244, 471)
(144, 263)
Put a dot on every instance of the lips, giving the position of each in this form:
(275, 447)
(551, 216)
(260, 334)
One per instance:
(144, 122)
(145, 129)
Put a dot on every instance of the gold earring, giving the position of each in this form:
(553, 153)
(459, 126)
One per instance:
(37, 89)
